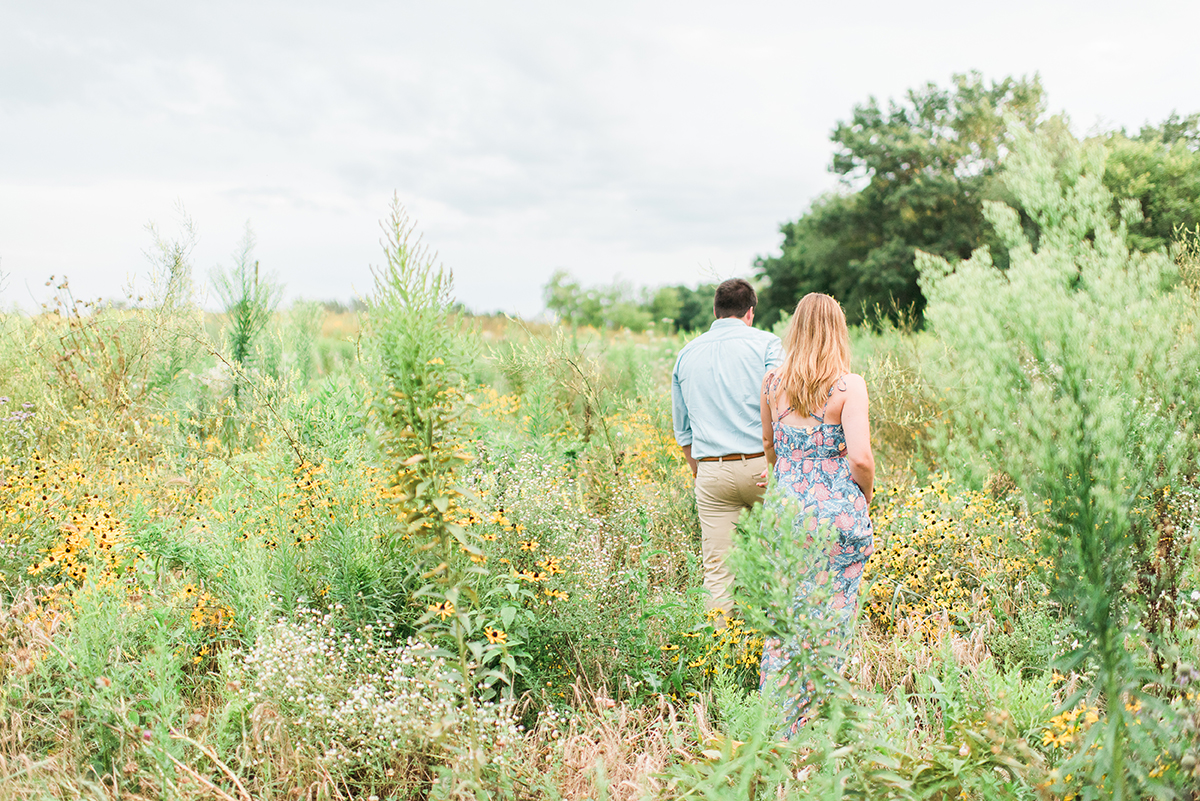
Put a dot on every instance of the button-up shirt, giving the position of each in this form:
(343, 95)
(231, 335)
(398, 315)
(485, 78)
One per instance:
(715, 388)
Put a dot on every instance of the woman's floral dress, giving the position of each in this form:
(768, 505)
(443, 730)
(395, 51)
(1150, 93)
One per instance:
(811, 468)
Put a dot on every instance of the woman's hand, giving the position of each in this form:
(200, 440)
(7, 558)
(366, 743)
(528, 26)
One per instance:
(763, 476)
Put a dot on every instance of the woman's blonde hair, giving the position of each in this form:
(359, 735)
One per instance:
(817, 352)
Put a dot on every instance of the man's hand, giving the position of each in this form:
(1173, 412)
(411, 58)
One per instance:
(692, 463)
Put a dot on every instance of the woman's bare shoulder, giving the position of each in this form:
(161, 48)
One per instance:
(853, 379)
(852, 383)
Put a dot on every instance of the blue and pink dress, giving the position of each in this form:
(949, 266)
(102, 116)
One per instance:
(811, 469)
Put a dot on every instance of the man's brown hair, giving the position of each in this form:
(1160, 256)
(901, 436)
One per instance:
(734, 298)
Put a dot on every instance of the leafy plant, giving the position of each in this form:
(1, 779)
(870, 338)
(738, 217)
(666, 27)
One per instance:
(1078, 378)
(946, 551)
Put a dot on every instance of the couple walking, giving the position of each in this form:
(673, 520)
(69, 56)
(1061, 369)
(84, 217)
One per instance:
(742, 403)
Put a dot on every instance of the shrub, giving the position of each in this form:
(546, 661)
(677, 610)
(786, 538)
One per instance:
(1078, 378)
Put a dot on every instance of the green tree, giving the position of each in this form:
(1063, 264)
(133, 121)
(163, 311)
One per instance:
(569, 301)
(1175, 129)
(695, 307)
(676, 307)
(614, 306)
(914, 177)
(1160, 168)
(683, 307)
(664, 306)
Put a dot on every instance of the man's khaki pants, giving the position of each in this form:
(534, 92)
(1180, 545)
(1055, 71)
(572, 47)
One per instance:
(723, 490)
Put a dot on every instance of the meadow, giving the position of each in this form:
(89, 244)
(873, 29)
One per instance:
(408, 553)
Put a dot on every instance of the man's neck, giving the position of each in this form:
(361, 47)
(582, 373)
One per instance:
(745, 319)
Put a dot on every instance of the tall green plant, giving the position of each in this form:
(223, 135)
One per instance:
(1187, 256)
(1079, 378)
(303, 330)
(250, 299)
(422, 358)
(175, 315)
(421, 368)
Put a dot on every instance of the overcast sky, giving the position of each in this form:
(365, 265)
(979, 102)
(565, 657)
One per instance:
(647, 141)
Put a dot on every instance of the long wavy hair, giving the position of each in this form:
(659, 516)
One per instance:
(817, 352)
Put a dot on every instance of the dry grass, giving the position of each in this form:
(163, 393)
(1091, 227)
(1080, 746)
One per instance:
(26, 632)
(621, 749)
(605, 749)
(903, 407)
(882, 663)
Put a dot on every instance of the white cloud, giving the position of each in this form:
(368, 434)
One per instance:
(646, 140)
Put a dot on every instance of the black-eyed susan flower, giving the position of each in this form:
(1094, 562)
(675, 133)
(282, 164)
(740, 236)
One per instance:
(552, 566)
(443, 610)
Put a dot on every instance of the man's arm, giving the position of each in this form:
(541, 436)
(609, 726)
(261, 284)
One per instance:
(774, 355)
(681, 422)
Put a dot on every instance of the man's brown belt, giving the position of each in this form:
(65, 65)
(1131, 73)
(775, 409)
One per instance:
(733, 457)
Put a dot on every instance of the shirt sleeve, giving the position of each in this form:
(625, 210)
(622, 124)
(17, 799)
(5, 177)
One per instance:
(774, 356)
(679, 412)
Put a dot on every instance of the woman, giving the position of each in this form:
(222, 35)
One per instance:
(817, 438)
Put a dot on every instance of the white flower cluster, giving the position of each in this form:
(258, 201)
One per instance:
(359, 701)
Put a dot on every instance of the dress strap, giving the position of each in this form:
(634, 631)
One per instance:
(772, 385)
(839, 384)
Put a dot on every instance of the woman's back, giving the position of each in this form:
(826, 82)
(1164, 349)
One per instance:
(782, 411)
(839, 428)
(817, 438)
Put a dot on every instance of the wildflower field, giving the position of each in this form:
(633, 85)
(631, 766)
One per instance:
(412, 554)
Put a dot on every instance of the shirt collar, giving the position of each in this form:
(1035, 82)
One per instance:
(726, 322)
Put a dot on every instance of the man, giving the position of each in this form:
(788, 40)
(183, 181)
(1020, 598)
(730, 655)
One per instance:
(715, 404)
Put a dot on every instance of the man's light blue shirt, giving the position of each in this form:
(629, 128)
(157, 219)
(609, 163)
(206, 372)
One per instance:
(715, 388)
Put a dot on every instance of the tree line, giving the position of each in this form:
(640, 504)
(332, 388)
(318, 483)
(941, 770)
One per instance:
(619, 305)
(913, 176)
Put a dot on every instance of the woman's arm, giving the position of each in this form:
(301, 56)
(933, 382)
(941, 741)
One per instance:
(768, 432)
(858, 435)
